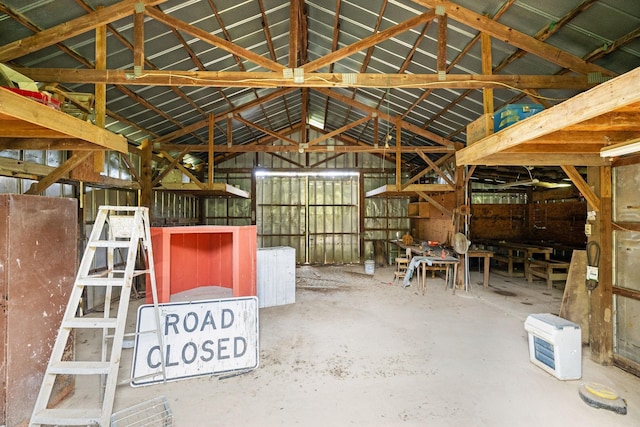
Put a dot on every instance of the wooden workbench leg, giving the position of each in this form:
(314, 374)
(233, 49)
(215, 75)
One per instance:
(485, 282)
(424, 277)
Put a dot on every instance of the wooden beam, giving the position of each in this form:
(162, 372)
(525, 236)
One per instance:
(441, 61)
(611, 95)
(339, 130)
(387, 117)
(398, 152)
(45, 144)
(515, 38)
(436, 168)
(582, 186)
(294, 32)
(367, 42)
(313, 80)
(265, 130)
(100, 103)
(71, 28)
(211, 156)
(250, 148)
(433, 202)
(487, 69)
(138, 40)
(20, 108)
(207, 37)
(70, 164)
(172, 165)
(187, 172)
(538, 159)
(146, 189)
(222, 116)
(601, 315)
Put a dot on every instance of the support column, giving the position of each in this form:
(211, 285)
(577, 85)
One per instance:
(146, 188)
(601, 298)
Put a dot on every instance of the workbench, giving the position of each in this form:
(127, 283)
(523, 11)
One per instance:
(512, 253)
(549, 269)
(487, 255)
(421, 262)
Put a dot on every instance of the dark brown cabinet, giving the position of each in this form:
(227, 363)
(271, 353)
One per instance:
(38, 258)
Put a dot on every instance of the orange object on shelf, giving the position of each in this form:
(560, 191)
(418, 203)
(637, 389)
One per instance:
(191, 257)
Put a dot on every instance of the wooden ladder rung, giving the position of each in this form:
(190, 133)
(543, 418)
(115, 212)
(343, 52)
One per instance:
(79, 368)
(68, 417)
(101, 281)
(90, 322)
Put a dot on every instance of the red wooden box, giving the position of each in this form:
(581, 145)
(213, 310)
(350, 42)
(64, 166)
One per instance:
(191, 257)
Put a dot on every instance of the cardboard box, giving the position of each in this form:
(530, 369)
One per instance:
(513, 113)
(480, 128)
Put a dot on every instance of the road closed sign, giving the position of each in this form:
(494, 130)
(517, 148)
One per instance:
(198, 338)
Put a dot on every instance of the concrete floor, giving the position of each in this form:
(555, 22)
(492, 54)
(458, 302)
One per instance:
(357, 350)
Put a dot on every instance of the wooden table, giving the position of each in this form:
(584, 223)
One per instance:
(420, 262)
(518, 253)
(549, 269)
(487, 255)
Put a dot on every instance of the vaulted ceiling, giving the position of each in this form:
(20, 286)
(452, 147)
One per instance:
(356, 71)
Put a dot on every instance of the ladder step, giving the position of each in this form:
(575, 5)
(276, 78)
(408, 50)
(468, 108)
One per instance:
(110, 244)
(135, 272)
(101, 281)
(67, 417)
(90, 322)
(79, 368)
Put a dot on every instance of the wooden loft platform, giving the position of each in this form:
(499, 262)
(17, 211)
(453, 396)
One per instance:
(391, 190)
(571, 133)
(217, 189)
(28, 125)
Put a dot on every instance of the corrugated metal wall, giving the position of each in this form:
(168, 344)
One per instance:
(384, 218)
(316, 215)
(626, 209)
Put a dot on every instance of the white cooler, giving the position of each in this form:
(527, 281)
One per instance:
(555, 345)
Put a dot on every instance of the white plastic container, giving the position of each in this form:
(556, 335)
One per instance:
(369, 267)
(555, 345)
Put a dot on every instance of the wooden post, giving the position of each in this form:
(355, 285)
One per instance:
(487, 69)
(146, 190)
(100, 92)
(398, 153)
(138, 41)
(601, 298)
(211, 151)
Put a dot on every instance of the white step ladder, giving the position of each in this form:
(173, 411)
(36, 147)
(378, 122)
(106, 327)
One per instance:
(116, 229)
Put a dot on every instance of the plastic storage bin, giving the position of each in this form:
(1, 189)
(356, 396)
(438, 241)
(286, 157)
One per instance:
(555, 345)
(513, 113)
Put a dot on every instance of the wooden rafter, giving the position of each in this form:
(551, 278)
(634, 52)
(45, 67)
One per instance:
(66, 30)
(515, 38)
(367, 42)
(213, 40)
